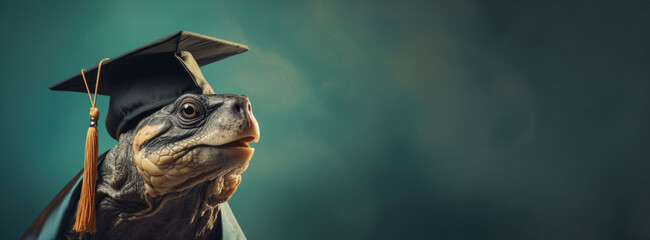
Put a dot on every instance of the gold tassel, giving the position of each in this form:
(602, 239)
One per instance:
(86, 219)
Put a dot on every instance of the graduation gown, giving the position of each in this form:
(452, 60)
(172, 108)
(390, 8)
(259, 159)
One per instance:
(50, 223)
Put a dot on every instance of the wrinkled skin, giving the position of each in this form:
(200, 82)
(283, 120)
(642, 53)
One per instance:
(165, 178)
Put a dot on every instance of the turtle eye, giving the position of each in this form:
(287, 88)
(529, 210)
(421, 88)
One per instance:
(189, 110)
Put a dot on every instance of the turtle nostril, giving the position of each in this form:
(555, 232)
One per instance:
(237, 107)
(241, 105)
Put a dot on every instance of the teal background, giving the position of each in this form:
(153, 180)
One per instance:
(379, 119)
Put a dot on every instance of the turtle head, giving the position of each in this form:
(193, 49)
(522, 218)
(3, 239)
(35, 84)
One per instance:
(199, 139)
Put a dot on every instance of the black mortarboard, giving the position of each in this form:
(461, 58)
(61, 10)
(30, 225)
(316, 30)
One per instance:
(143, 80)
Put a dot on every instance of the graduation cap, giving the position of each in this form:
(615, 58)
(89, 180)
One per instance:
(139, 83)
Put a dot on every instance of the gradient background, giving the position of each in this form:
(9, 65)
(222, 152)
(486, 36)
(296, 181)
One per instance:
(379, 119)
